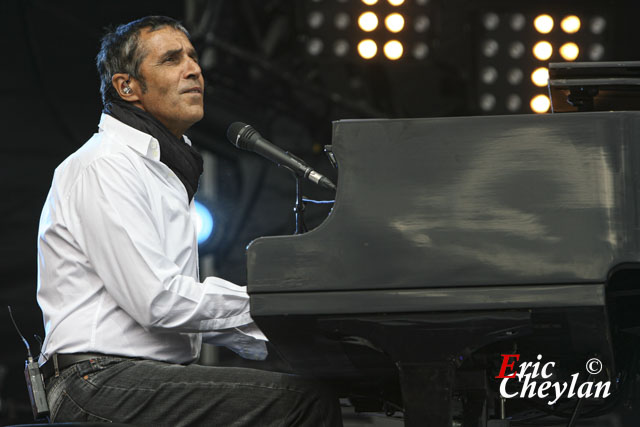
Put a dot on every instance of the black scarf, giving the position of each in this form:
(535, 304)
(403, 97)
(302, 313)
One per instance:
(179, 156)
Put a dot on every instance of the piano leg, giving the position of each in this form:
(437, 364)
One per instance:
(427, 390)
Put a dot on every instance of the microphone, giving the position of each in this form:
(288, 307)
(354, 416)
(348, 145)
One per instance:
(247, 138)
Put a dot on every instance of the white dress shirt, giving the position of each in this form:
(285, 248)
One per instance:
(118, 258)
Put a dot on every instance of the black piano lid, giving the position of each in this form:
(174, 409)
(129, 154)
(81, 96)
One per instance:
(468, 202)
(608, 69)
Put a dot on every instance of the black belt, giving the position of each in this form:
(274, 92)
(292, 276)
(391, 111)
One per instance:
(58, 362)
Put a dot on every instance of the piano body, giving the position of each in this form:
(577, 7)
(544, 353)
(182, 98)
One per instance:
(453, 241)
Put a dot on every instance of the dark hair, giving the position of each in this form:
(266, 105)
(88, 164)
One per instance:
(120, 52)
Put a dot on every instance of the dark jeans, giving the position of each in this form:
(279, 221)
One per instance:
(145, 392)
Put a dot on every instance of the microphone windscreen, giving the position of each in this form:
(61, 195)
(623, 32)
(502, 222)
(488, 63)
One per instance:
(234, 131)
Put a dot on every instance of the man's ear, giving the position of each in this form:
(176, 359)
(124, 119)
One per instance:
(127, 88)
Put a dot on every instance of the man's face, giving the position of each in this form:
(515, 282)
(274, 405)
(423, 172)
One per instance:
(173, 79)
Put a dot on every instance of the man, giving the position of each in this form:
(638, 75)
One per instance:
(124, 311)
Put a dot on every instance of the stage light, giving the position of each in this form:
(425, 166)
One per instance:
(420, 50)
(543, 24)
(421, 23)
(368, 21)
(369, 2)
(596, 52)
(598, 25)
(393, 49)
(387, 18)
(489, 75)
(513, 103)
(204, 222)
(543, 50)
(315, 19)
(540, 104)
(490, 21)
(569, 51)
(342, 20)
(516, 50)
(367, 48)
(315, 46)
(570, 24)
(394, 22)
(517, 22)
(540, 77)
(487, 102)
(341, 47)
(514, 76)
(490, 48)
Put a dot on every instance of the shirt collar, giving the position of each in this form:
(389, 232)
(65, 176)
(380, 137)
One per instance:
(142, 142)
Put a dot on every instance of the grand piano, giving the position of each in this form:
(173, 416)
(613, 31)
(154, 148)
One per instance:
(452, 242)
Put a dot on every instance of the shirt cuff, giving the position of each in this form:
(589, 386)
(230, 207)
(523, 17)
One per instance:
(226, 323)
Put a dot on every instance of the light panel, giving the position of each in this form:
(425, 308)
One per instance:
(335, 28)
(514, 48)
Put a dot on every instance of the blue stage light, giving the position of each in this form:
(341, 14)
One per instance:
(204, 222)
